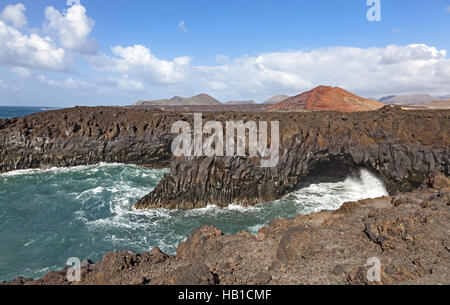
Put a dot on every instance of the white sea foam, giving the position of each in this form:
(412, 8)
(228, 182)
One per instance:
(331, 196)
(314, 198)
(73, 169)
(29, 243)
(97, 203)
(240, 208)
(21, 172)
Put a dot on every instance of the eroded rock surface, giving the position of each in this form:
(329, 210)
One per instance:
(403, 147)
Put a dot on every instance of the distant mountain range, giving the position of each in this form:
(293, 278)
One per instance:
(197, 100)
(239, 103)
(205, 100)
(322, 98)
(411, 99)
(276, 99)
(325, 98)
(438, 104)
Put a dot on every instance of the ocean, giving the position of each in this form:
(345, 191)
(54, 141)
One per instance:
(48, 216)
(8, 112)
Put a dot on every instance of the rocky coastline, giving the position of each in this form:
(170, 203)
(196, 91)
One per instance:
(403, 147)
(408, 231)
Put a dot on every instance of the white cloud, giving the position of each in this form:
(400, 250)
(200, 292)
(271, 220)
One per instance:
(14, 14)
(182, 27)
(30, 51)
(21, 72)
(222, 59)
(69, 83)
(72, 27)
(366, 71)
(123, 84)
(100, 85)
(370, 72)
(448, 9)
(7, 87)
(139, 62)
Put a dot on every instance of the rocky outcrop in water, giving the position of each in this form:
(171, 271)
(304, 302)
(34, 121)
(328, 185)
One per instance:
(84, 136)
(407, 233)
(404, 148)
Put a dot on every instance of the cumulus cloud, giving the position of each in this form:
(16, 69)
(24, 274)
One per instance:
(14, 14)
(366, 71)
(30, 51)
(122, 83)
(36, 51)
(182, 27)
(72, 27)
(369, 71)
(138, 61)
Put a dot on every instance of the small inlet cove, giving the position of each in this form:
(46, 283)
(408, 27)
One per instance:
(48, 216)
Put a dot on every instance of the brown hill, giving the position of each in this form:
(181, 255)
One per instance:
(325, 98)
(198, 100)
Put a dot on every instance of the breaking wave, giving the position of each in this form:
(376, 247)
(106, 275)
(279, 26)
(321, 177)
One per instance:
(86, 211)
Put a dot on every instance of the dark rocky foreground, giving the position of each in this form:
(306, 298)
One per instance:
(408, 233)
(404, 147)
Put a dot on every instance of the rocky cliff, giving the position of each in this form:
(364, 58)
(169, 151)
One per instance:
(83, 136)
(403, 147)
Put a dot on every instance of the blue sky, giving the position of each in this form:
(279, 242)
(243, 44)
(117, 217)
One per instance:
(99, 52)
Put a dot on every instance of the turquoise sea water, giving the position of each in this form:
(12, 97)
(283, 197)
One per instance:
(49, 216)
(8, 112)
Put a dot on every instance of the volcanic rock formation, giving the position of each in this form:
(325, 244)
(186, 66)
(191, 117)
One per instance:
(408, 232)
(325, 98)
(403, 147)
